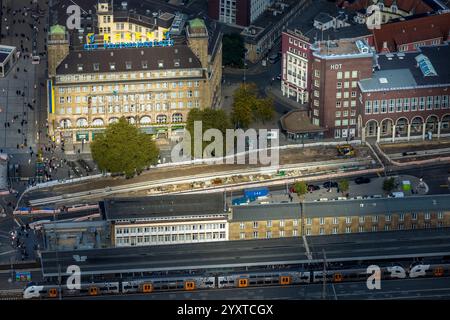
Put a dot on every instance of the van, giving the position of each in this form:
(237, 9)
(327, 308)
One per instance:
(398, 194)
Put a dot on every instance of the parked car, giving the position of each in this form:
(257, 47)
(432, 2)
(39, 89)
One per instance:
(330, 184)
(362, 180)
(312, 187)
(409, 153)
(279, 77)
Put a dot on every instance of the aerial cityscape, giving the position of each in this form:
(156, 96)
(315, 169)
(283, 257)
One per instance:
(245, 150)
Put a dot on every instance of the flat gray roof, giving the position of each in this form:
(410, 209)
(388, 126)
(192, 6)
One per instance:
(332, 208)
(163, 206)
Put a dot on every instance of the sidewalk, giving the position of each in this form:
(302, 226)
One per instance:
(275, 93)
(252, 69)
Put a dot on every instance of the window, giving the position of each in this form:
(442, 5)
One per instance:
(427, 216)
(437, 100)
(414, 216)
(347, 74)
(387, 227)
(368, 107)
(388, 218)
(444, 102)
(96, 66)
(422, 103)
(322, 220)
(383, 106)
(361, 219)
(321, 231)
(242, 235)
(268, 234)
(295, 222)
(335, 220)
(241, 225)
(414, 102)
(401, 217)
(375, 106)
(346, 84)
(406, 104)
(281, 223)
(335, 230)
(391, 105)
(361, 229)
(354, 74)
(339, 85)
(339, 75)
(308, 221)
(348, 229)
(338, 95)
(375, 219)
(374, 228)
(308, 231)
(440, 215)
(295, 232)
(269, 223)
(317, 73)
(282, 233)
(429, 102)
(255, 224)
(255, 234)
(112, 66)
(348, 220)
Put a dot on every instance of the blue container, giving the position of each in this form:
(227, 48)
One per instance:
(256, 193)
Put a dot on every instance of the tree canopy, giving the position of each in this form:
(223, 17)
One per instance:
(247, 106)
(123, 148)
(343, 186)
(301, 188)
(388, 185)
(233, 50)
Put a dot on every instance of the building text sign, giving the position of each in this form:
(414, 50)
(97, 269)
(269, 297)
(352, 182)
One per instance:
(127, 43)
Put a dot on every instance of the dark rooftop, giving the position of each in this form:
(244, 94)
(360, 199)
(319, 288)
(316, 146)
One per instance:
(128, 60)
(401, 70)
(163, 206)
(333, 208)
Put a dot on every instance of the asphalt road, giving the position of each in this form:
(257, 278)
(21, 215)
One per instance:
(425, 288)
(241, 253)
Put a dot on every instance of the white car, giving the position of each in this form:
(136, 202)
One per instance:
(35, 60)
(273, 134)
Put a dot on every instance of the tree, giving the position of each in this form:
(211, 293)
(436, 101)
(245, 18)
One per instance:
(123, 148)
(247, 106)
(211, 119)
(300, 188)
(264, 110)
(233, 50)
(343, 186)
(388, 185)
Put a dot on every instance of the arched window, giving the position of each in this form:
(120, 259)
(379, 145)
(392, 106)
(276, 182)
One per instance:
(113, 120)
(82, 122)
(146, 120)
(98, 122)
(65, 123)
(177, 117)
(131, 120)
(161, 118)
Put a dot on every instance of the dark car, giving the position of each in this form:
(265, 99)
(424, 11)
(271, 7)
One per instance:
(409, 154)
(330, 184)
(312, 187)
(362, 180)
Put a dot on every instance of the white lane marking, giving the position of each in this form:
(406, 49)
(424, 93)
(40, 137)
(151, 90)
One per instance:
(7, 252)
(308, 253)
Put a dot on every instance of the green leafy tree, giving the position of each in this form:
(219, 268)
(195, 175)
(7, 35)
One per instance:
(343, 186)
(233, 50)
(301, 188)
(264, 110)
(123, 148)
(388, 185)
(211, 119)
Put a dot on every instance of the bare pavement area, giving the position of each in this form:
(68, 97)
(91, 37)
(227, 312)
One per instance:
(290, 156)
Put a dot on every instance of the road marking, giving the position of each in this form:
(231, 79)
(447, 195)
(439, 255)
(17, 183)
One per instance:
(308, 253)
(7, 252)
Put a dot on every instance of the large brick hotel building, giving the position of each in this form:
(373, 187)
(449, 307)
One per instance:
(388, 84)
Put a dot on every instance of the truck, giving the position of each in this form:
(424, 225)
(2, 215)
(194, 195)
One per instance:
(240, 201)
(256, 193)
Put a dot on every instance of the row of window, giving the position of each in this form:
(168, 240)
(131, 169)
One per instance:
(126, 98)
(126, 87)
(181, 227)
(335, 230)
(128, 75)
(128, 108)
(170, 238)
(406, 104)
(348, 219)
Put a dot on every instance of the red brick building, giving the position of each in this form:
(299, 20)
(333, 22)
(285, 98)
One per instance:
(408, 35)
(407, 95)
